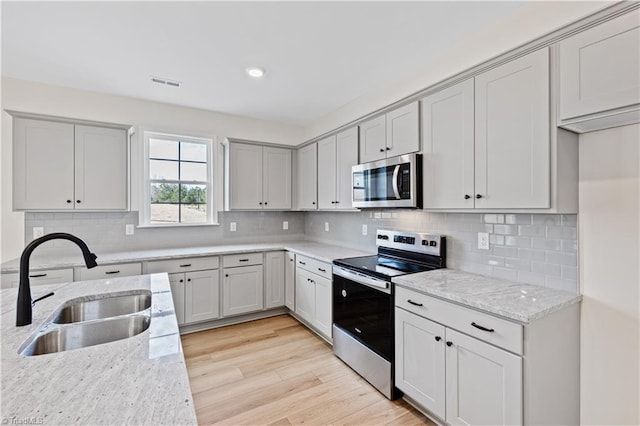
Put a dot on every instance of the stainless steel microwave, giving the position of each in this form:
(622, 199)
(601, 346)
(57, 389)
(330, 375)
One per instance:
(393, 182)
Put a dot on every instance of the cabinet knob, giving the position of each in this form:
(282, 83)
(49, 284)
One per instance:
(449, 343)
(478, 196)
(381, 149)
(265, 203)
(313, 202)
(438, 338)
(260, 203)
(78, 201)
(388, 149)
(188, 280)
(181, 281)
(68, 201)
(226, 275)
(467, 196)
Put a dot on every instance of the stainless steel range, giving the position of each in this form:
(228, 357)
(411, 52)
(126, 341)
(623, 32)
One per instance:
(363, 299)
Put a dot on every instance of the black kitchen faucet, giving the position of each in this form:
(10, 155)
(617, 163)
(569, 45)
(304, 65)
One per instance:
(23, 312)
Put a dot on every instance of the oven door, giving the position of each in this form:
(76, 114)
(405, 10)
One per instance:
(387, 183)
(363, 307)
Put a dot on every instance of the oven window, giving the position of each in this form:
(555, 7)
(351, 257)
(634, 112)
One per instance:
(365, 313)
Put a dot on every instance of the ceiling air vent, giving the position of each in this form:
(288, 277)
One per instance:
(166, 81)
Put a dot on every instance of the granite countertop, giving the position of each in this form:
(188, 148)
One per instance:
(139, 380)
(520, 302)
(319, 251)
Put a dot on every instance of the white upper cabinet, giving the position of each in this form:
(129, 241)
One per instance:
(512, 134)
(101, 168)
(600, 74)
(308, 177)
(448, 141)
(403, 130)
(395, 133)
(336, 155)
(258, 178)
(62, 166)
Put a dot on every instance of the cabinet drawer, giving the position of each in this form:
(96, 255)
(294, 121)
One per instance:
(110, 271)
(315, 266)
(52, 276)
(247, 259)
(505, 334)
(183, 265)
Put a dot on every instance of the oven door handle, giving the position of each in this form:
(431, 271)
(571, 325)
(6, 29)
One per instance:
(363, 279)
(396, 190)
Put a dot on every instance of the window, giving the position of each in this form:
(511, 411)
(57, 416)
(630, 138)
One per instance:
(178, 181)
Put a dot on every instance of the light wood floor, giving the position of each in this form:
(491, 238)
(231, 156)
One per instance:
(277, 372)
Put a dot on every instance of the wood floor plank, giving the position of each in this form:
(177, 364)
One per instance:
(277, 372)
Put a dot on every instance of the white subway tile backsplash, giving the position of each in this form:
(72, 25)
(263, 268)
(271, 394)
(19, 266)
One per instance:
(522, 242)
(546, 268)
(559, 258)
(517, 219)
(494, 218)
(545, 244)
(531, 254)
(505, 251)
(531, 278)
(493, 260)
(562, 232)
(496, 239)
(570, 272)
(545, 219)
(532, 230)
(505, 229)
(505, 274)
(519, 264)
(570, 246)
(570, 220)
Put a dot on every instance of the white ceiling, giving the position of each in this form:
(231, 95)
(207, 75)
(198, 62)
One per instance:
(318, 55)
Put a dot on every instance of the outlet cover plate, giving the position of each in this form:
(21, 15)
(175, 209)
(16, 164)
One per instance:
(285, 225)
(232, 226)
(38, 231)
(483, 240)
(129, 229)
(364, 229)
(326, 227)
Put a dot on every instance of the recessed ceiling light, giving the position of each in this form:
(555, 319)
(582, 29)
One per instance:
(255, 72)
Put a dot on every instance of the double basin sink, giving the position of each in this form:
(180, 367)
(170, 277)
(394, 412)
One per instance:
(90, 321)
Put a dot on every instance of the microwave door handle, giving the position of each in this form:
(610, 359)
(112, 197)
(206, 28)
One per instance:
(396, 191)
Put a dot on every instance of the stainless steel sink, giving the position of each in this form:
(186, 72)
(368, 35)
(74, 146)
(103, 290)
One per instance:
(81, 335)
(102, 307)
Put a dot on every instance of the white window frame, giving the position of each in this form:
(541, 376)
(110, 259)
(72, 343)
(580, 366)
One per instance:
(145, 201)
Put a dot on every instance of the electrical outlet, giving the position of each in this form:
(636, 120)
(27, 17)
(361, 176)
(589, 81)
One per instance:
(129, 229)
(364, 229)
(483, 240)
(326, 227)
(38, 231)
(285, 225)
(232, 226)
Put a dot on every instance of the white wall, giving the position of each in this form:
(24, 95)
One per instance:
(522, 26)
(609, 231)
(52, 100)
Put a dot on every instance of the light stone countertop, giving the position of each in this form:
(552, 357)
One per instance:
(320, 251)
(520, 302)
(138, 380)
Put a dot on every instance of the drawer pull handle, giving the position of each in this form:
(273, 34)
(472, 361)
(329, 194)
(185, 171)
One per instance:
(301, 262)
(414, 303)
(479, 327)
(243, 260)
(112, 272)
(186, 265)
(322, 270)
(37, 275)
(358, 330)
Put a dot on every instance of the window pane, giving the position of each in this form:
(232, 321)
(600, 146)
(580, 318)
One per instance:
(193, 171)
(166, 170)
(164, 213)
(164, 193)
(193, 151)
(194, 207)
(159, 148)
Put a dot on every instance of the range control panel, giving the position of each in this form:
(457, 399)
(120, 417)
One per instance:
(410, 241)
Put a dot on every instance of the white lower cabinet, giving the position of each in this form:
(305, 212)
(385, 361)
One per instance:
(201, 291)
(313, 294)
(274, 283)
(177, 292)
(290, 281)
(242, 290)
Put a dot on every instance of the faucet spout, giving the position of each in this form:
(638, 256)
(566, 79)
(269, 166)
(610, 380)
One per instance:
(23, 311)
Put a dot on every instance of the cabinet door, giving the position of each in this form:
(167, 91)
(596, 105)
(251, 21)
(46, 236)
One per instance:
(202, 296)
(308, 177)
(448, 141)
(275, 279)
(305, 295)
(512, 134)
(177, 293)
(42, 165)
(600, 67)
(403, 130)
(323, 317)
(245, 176)
(484, 383)
(420, 360)
(327, 164)
(290, 281)
(347, 157)
(101, 168)
(373, 137)
(242, 290)
(276, 185)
